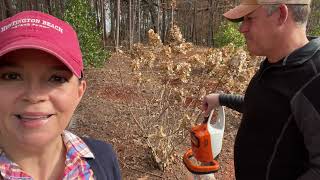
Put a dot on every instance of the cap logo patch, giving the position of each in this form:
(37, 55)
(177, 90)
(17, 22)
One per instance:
(31, 22)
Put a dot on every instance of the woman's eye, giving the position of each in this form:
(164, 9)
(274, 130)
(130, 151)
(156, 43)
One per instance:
(11, 76)
(58, 79)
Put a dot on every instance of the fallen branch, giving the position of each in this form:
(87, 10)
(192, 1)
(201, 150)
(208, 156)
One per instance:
(149, 173)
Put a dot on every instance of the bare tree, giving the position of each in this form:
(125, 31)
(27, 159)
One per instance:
(158, 17)
(9, 9)
(130, 25)
(210, 32)
(153, 14)
(194, 21)
(118, 25)
(103, 19)
(164, 14)
(35, 4)
(139, 20)
(48, 6)
(61, 6)
(2, 13)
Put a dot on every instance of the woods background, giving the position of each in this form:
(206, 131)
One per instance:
(199, 20)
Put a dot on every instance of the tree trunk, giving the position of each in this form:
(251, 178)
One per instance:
(154, 19)
(20, 7)
(2, 16)
(134, 10)
(164, 27)
(172, 16)
(118, 25)
(194, 24)
(113, 7)
(103, 20)
(144, 24)
(139, 20)
(130, 24)
(210, 32)
(97, 9)
(29, 5)
(48, 6)
(61, 7)
(9, 9)
(36, 5)
(158, 17)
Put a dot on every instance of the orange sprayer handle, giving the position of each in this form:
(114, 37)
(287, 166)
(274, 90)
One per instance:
(199, 169)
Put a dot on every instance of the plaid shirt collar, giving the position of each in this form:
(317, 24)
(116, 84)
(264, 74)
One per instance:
(76, 149)
(72, 141)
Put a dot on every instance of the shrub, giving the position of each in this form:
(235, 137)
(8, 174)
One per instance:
(228, 33)
(79, 15)
(315, 31)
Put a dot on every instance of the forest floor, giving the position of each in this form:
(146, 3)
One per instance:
(105, 114)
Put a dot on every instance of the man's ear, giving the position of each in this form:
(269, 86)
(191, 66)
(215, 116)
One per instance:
(284, 13)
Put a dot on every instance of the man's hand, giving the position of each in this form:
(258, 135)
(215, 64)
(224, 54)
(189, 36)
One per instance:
(210, 102)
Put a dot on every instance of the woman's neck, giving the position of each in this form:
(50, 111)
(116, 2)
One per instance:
(46, 162)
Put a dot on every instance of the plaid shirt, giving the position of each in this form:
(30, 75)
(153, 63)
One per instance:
(76, 167)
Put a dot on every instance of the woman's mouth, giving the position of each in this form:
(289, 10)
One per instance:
(32, 117)
(34, 120)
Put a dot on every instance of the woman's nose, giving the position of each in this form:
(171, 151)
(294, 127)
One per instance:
(34, 93)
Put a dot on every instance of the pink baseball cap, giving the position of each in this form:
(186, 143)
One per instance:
(37, 30)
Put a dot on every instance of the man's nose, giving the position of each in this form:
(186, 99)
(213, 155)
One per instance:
(243, 27)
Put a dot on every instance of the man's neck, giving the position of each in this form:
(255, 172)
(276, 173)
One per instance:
(286, 45)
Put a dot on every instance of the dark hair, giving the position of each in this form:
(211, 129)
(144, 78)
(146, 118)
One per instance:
(81, 77)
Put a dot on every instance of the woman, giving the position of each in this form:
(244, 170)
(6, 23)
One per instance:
(41, 84)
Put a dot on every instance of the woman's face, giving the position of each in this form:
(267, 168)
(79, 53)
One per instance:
(38, 97)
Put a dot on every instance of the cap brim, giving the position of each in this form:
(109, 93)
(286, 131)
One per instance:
(32, 43)
(236, 14)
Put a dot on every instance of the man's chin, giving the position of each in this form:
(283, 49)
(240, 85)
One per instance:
(252, 51)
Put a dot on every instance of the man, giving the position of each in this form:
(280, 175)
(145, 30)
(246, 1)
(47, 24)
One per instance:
(279, 135)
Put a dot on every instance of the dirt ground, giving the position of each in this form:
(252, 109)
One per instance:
(103, 115)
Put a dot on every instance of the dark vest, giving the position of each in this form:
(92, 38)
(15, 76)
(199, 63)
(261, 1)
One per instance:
(105, 166)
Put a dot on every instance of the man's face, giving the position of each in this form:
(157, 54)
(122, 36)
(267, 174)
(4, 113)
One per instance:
(259, 31)
(38, 97)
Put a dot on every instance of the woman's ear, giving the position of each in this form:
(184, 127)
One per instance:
(284, 13)
(82, 88)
